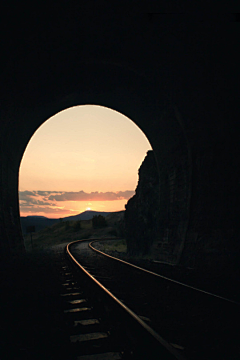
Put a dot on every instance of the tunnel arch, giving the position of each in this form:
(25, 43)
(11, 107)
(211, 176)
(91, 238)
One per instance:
(91, 148)
(129, 93)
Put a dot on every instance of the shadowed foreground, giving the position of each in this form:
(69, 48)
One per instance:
(32, 324)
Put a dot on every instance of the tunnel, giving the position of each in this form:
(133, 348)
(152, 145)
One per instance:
(175, 79)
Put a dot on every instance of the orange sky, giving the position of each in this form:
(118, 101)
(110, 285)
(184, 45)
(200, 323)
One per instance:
(85, 157)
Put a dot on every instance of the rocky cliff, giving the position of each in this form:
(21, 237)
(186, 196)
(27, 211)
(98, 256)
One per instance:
(156, 216)
(200, 234)
(142, 210)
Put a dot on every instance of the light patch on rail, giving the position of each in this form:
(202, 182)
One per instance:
(144, 318)
(77, 310)
(104, 356)
(88, 337)
(72, 288)
(79, 301)
(86, 322)
(72, 294)
(179, 347)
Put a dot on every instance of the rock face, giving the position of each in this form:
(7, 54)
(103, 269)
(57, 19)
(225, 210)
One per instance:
(142, 210)
(184, 211)
(156, 218)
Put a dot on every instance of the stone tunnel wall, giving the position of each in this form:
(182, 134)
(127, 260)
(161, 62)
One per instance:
(201, 233)
(11, 241)
(139, 66)
(212, 241)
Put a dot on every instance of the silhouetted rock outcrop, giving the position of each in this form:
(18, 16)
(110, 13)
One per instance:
(157, 220)
(157, 216)
(142, 210)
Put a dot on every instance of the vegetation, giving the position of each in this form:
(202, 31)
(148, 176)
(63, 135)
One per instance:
(116, 245)
(67, 225)
(113, 232)
(67, 231)
(99, 222)
(77, 225)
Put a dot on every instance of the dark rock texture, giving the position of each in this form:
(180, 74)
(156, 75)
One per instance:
(157, 216)
(142, 210)
(185, 214)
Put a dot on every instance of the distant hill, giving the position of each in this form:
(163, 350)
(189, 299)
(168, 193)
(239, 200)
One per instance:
(67, 231)
(41, 222)
(86, 215)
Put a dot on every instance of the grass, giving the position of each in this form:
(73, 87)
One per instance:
(62, 232)
(118, 245)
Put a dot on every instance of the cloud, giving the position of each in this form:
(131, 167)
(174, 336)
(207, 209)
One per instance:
(47, 202)
(93, 196)
(49, 198)
(44, 209)
(46, 193)
(25, 195)
(33, 198)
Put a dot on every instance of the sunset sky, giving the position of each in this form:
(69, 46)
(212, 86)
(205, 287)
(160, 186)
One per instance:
(85, 157)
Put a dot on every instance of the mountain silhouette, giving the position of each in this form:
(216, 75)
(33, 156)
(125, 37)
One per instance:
(86, 215)
(40, 222)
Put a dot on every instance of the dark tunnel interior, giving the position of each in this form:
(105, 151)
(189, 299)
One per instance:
(178, 80)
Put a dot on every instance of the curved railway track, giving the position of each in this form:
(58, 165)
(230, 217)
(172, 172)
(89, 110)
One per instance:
(126, 335)
(161, 276)
(167, 318)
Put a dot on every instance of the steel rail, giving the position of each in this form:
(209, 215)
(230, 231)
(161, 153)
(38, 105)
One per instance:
(150, 343)
(158, 275)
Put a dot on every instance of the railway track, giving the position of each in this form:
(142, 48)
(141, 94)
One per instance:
(167, 319)
(100, 325)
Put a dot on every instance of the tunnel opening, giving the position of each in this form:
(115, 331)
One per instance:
(151, 111)
(79, 164)
(156, 216)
